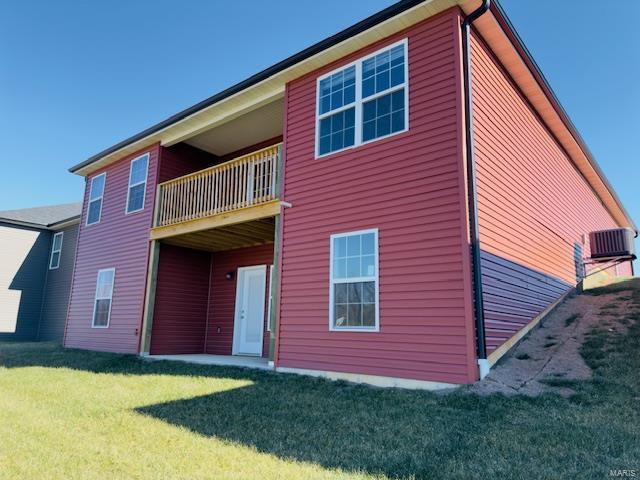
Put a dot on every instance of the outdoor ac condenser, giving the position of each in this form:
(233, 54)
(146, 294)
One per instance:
(613, 243)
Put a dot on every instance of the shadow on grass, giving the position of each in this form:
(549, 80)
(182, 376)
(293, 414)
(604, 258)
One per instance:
(53, 355)
(392, 432)
(423, 435)
(337, 425)
(399, 433)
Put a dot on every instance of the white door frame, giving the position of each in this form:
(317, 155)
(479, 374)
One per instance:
(236, 319)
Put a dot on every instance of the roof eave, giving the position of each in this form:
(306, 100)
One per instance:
(64, 223)
(510, 30)
(40, 226)
(339, 37)
(359, 28)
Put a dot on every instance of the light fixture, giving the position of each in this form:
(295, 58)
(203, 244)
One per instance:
(229, 275)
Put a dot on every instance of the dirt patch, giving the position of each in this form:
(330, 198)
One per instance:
(550, 354)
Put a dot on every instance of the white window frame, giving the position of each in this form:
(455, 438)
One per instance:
(144, 191)
(332, 282)
(101, 198)
(95, 298)
(359, 101)
(53, 250)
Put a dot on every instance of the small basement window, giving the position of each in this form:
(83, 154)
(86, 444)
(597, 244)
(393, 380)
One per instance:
(137, 183)
(363, 101)
(103, 298)
(353, 295)
(56, 251)
(96, 193)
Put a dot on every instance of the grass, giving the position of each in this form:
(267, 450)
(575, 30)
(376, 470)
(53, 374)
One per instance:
(72, 414)
(610, 306)
(571, 319)
(613, 288)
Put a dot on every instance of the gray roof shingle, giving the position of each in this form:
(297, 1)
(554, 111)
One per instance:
(43, 216)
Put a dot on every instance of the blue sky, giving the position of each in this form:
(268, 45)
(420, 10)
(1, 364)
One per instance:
(76, 77)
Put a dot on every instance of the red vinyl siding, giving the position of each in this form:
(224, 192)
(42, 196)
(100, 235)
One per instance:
(121, 241)
(250, 149)
(183, 159)
(535, 208)
(411, 187)
(624, 270)
(223, 295)
(182, 296)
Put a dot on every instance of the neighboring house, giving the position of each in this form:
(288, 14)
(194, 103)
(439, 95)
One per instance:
(323, 212)
(37, 251)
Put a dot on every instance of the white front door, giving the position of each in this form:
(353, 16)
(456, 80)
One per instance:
(248, 327)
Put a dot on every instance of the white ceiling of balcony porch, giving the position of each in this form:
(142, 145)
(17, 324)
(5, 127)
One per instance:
(253, 127)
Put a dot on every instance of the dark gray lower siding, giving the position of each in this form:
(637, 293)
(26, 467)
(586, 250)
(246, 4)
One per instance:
(57, 288)
(513, 296)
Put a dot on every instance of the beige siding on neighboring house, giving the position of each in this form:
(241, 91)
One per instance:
(23, 259)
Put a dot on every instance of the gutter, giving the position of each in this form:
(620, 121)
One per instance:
(20, 223)
(472, 193)
(41, 226)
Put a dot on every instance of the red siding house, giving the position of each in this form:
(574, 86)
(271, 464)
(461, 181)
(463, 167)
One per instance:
(397, 205)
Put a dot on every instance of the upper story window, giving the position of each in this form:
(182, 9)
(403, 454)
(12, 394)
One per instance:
(56, 251)
(364, 101)
(103, 298)
(137, 183)
(353, 295)
(96, 192)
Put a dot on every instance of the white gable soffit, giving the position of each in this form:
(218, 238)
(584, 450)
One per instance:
(271, 88)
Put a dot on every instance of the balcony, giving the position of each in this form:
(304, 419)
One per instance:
(245, 189)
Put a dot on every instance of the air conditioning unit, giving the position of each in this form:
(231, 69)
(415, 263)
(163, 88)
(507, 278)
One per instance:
(613, 243)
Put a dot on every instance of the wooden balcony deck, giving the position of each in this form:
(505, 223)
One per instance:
(242, 190)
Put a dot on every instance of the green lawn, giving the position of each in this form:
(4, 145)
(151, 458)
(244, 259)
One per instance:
(73, 414)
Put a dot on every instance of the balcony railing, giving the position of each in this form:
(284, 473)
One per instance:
(245, 181)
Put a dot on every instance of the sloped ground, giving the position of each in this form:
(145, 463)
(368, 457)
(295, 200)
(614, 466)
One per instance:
(550, 355)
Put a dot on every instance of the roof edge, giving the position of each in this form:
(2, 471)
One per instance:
(314, 49)
(513, 35)
(63, 223)
(41, 226)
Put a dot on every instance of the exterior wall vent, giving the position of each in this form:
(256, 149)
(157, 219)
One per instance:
(613, 243)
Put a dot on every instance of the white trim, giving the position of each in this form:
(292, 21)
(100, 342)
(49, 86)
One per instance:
(130, 186)
(101, 198)
(110, 298)
(375, 328)
(374, 380)
(236, 324)
(359, 101)
(270, 293)
(483, 367)
(53, 250)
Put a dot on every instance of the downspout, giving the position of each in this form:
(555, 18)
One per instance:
(483, 363)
